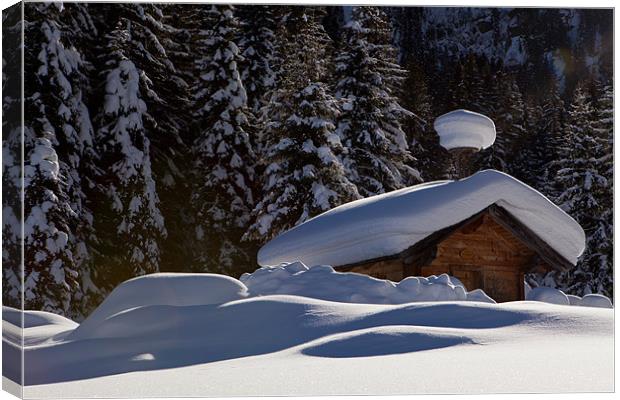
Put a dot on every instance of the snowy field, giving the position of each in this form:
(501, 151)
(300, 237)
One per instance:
(210, 335)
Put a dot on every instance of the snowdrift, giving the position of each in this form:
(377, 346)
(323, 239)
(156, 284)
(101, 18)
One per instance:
(32, 319)
(548, 295)
(322, 282)
(171, 322)
(555, 296)
(387, 224)
(156, 337)
(165, 289)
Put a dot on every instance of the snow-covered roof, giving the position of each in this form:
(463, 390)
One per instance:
(465, 129)
(387, 224)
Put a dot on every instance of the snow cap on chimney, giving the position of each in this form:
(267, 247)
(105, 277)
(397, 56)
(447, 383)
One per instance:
(463, 129)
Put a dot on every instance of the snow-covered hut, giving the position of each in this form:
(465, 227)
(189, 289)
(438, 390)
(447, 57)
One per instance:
(487, 230)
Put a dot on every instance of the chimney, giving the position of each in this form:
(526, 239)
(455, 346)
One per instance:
(464, 133)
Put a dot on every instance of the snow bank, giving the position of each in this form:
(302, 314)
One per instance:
(174, 339)
(526, 288)
(322, 282)
(156, 293)
(167, 289)
(383, 341)
(38, 327)
(174, 322)
(33, 319)
(387, 224)
(572, 299)
(556, 296)
(465, 129)
(480, 296)
(596, 300)
(548, 295)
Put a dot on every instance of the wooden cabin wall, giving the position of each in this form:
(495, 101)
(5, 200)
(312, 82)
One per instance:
(387, 269)
(481, 254)
(484, 255)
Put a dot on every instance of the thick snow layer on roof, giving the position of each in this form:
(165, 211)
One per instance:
(465, 129)
(387, 224)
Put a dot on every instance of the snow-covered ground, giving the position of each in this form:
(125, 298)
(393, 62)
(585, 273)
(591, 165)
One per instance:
(219, 337)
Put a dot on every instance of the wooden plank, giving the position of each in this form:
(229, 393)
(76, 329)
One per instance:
(390, 269)
(431, 241)
(508, 245)
(529, 238)
(504, 267)
(473, 226)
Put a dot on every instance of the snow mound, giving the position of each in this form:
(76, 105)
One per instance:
(383, 341)
(33, 319)
(548, 295)
(465, 129)
(556, 296)
(38, 327)
(389, 223)
(322, 282)
(166, 289)
(573, 300)
(480, 296)
(164, 338)
(596, 300)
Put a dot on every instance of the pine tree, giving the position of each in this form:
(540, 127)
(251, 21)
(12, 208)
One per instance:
(527, 162)
(600, 241)
(224, 158)
(11, 157)
(471, 86)
(167, 91)
(257, 44)
(376, 153)
(155, 43)
(58, 152)
(551, 134)
(508, 114)
(129, 220)
(584, 189)
(50, 270)
(431, 160)
(303, 176)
